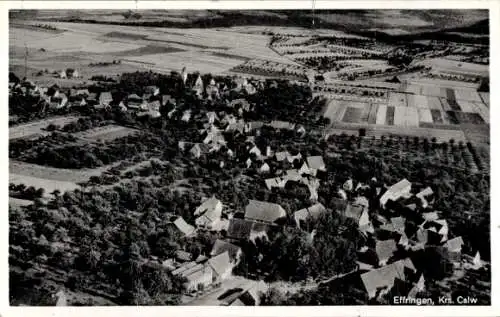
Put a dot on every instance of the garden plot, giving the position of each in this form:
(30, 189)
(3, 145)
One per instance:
(437, 116)
(106, 133)
(424, 115)
(400, 116)
(335, 110)
(467, 94)
(390, 114)
(485, 97)
(483, 111)
(36, 128)
(381, 114)
(434, 103)
(418, 101)
(372, 114)
(466, 106)
(397, 99)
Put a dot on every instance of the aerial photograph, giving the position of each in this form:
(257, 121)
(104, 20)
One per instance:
(249, 157)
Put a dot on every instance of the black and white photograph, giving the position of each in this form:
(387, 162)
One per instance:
(284, 157)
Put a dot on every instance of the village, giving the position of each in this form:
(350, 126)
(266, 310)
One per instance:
(256, 185)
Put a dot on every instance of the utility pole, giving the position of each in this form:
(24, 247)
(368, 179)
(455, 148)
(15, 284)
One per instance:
(25, 61)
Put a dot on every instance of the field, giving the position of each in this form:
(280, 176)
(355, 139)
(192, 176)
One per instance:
(36, 127)
(205, 50)
(105, 133)
(455, 67)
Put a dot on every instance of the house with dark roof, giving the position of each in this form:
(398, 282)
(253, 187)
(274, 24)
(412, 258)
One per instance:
(262, 211)
(241, 229)
(221, 246)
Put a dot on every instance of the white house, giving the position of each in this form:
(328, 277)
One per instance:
(209, 213)
(396, 191)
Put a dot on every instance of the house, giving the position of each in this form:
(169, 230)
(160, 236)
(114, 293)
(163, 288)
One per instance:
(314, 212)
(154, 106)
(105, 99)
(293, 175)
(262, 211)
(342, 194)
(430, 216)
(183, 256)
(264, 169)
(454, 247)
(282, 125)
(248, 162)
(477, 263)
(381, 280)
(423, 195)
(281, 156)
(360, 215)
(167, 99)
(348, 185)
(82, 92)
(75, 74)
(315, 164)
(277, 182)
(212, 117)
(304, 169)
(291, 158)
(241, 229)
(361, 201)
(198, 87)
(403, 240)
(236, 126)
(198, 279)
(214, 136)
(186, 116)
(253, 126)
(313, 186)
(396, 191)
(221, 246)
(209, 213)
(418, 287)
(185, 228)
(255, 150)
(221, 265)
(58, 102)
(199, 149)
(63, 75)
(153, 90)
(440, 226)
(61, 298)
(184, 75)
(385, 250)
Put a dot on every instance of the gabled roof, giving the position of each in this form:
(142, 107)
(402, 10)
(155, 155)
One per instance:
(385, 276)
(263, 211)
(361, 201)
(183, 226)
(454, 245)
(316, 162)
(221, 246)
(208, 208)
(183, 255)
(275, 182)
(278, 124)
(220, 263)
(399, 186)
(281, 156)
(424, 193)
(313, 211)
(105, 96)
(430, 216)
(398, 223)
(354, 212)
(239, 228)
(385, 249)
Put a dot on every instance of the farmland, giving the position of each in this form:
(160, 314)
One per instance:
(36, 128)
(105, 133)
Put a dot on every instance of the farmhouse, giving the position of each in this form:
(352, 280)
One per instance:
(314, 212)
(381, 280)
(241, 229)
(315, 164)
(262, 211)
(221, 246)
(209, 213)
(221, 265)
(360, 215)
(105, 99)
(385, 250)
(396, 191)
(282, 125)
(199, 277)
